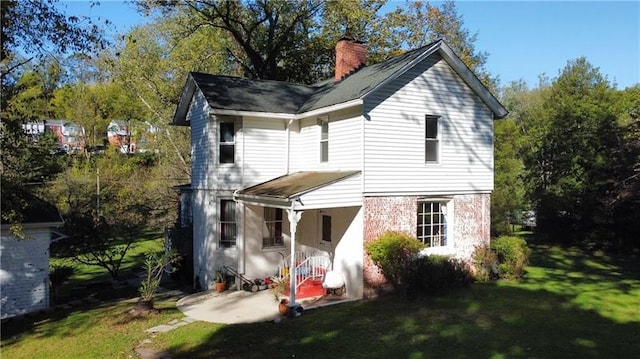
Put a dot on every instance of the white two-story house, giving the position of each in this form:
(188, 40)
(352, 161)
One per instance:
(277, 167)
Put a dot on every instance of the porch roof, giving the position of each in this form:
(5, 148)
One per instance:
(285, 189)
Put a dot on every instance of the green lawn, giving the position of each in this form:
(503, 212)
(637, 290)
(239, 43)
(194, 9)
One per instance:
(570, 305)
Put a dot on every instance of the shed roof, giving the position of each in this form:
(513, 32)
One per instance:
(33, 210)
(293, 185)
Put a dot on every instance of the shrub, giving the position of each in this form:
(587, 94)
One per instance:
(436, 272)
(513, 256)
(485, 263)
(393, 252)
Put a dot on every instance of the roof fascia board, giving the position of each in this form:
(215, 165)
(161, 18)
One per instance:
(272, 115)
(461, 69)
(263, 200)
(180, 117)
(287, 116)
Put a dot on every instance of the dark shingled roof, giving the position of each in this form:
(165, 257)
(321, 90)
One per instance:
(295, 184)
(266, 96)
(243, 94)
(36, 210)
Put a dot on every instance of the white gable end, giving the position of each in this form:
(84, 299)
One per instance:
(395, 132)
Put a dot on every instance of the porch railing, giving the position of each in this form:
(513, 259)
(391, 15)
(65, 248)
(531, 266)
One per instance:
(309, 265)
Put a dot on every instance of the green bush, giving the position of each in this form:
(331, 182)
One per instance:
(485, 263)
(513, 256)
(394, 252)
(436, 272)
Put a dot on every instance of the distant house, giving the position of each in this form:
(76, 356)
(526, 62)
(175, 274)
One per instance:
(119, 136)
(24, 263)
(71, 136)
(290, 178)
(130, 136)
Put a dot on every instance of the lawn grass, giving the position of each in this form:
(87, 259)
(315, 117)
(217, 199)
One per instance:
(107, 330)
(570, 305)
(86, 279)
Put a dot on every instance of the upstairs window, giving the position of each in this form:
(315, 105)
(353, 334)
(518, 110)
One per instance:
(228, 229)
(227, 142)
(273, 224)
(432, 224)
(324, 140)
(432, 140)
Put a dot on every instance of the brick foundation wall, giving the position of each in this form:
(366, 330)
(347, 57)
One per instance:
(472, 224)
(383, 214)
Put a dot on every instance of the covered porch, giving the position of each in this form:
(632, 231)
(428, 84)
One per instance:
(301, 229)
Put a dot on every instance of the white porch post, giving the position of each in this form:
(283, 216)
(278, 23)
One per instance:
(294, 217)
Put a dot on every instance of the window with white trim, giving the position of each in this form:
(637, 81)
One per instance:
(324, 140)
(273, 225)
(432, 223)
(228, 229)
(432, 139)
(227, 138)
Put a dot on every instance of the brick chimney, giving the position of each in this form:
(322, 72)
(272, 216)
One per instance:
(350, 56)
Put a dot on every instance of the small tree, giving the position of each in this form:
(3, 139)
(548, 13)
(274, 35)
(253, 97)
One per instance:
(394, 252)
(155, 265)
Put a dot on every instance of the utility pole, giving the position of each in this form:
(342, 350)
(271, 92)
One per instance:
(98, 192)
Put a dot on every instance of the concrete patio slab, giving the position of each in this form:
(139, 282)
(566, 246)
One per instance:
(230, 307)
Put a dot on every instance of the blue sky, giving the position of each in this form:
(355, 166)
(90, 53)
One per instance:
(524, 39)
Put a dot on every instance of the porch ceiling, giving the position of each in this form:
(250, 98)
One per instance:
(288, 188)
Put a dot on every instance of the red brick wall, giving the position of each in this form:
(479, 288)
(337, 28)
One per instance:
(472, 223)
(471, 227)
(350, 55)
(383, 214)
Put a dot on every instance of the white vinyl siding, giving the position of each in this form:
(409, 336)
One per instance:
(395, 135)
(202, 138)
(24, 277)
(344, 193)
(345, 143)
(265, 149)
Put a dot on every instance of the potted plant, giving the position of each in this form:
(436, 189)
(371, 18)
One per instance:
(155, 265)
(220, 281)
(278, 286)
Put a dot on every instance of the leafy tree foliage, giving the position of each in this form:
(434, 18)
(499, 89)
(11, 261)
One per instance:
(107, 203)
(294, 40)
(38, 29)
(578, 143)
(31, 30)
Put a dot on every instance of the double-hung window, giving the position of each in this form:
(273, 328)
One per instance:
(227, 138)
(432, 139)
(432, 223)
(324, 140)
(273, 224)
(228, 229)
